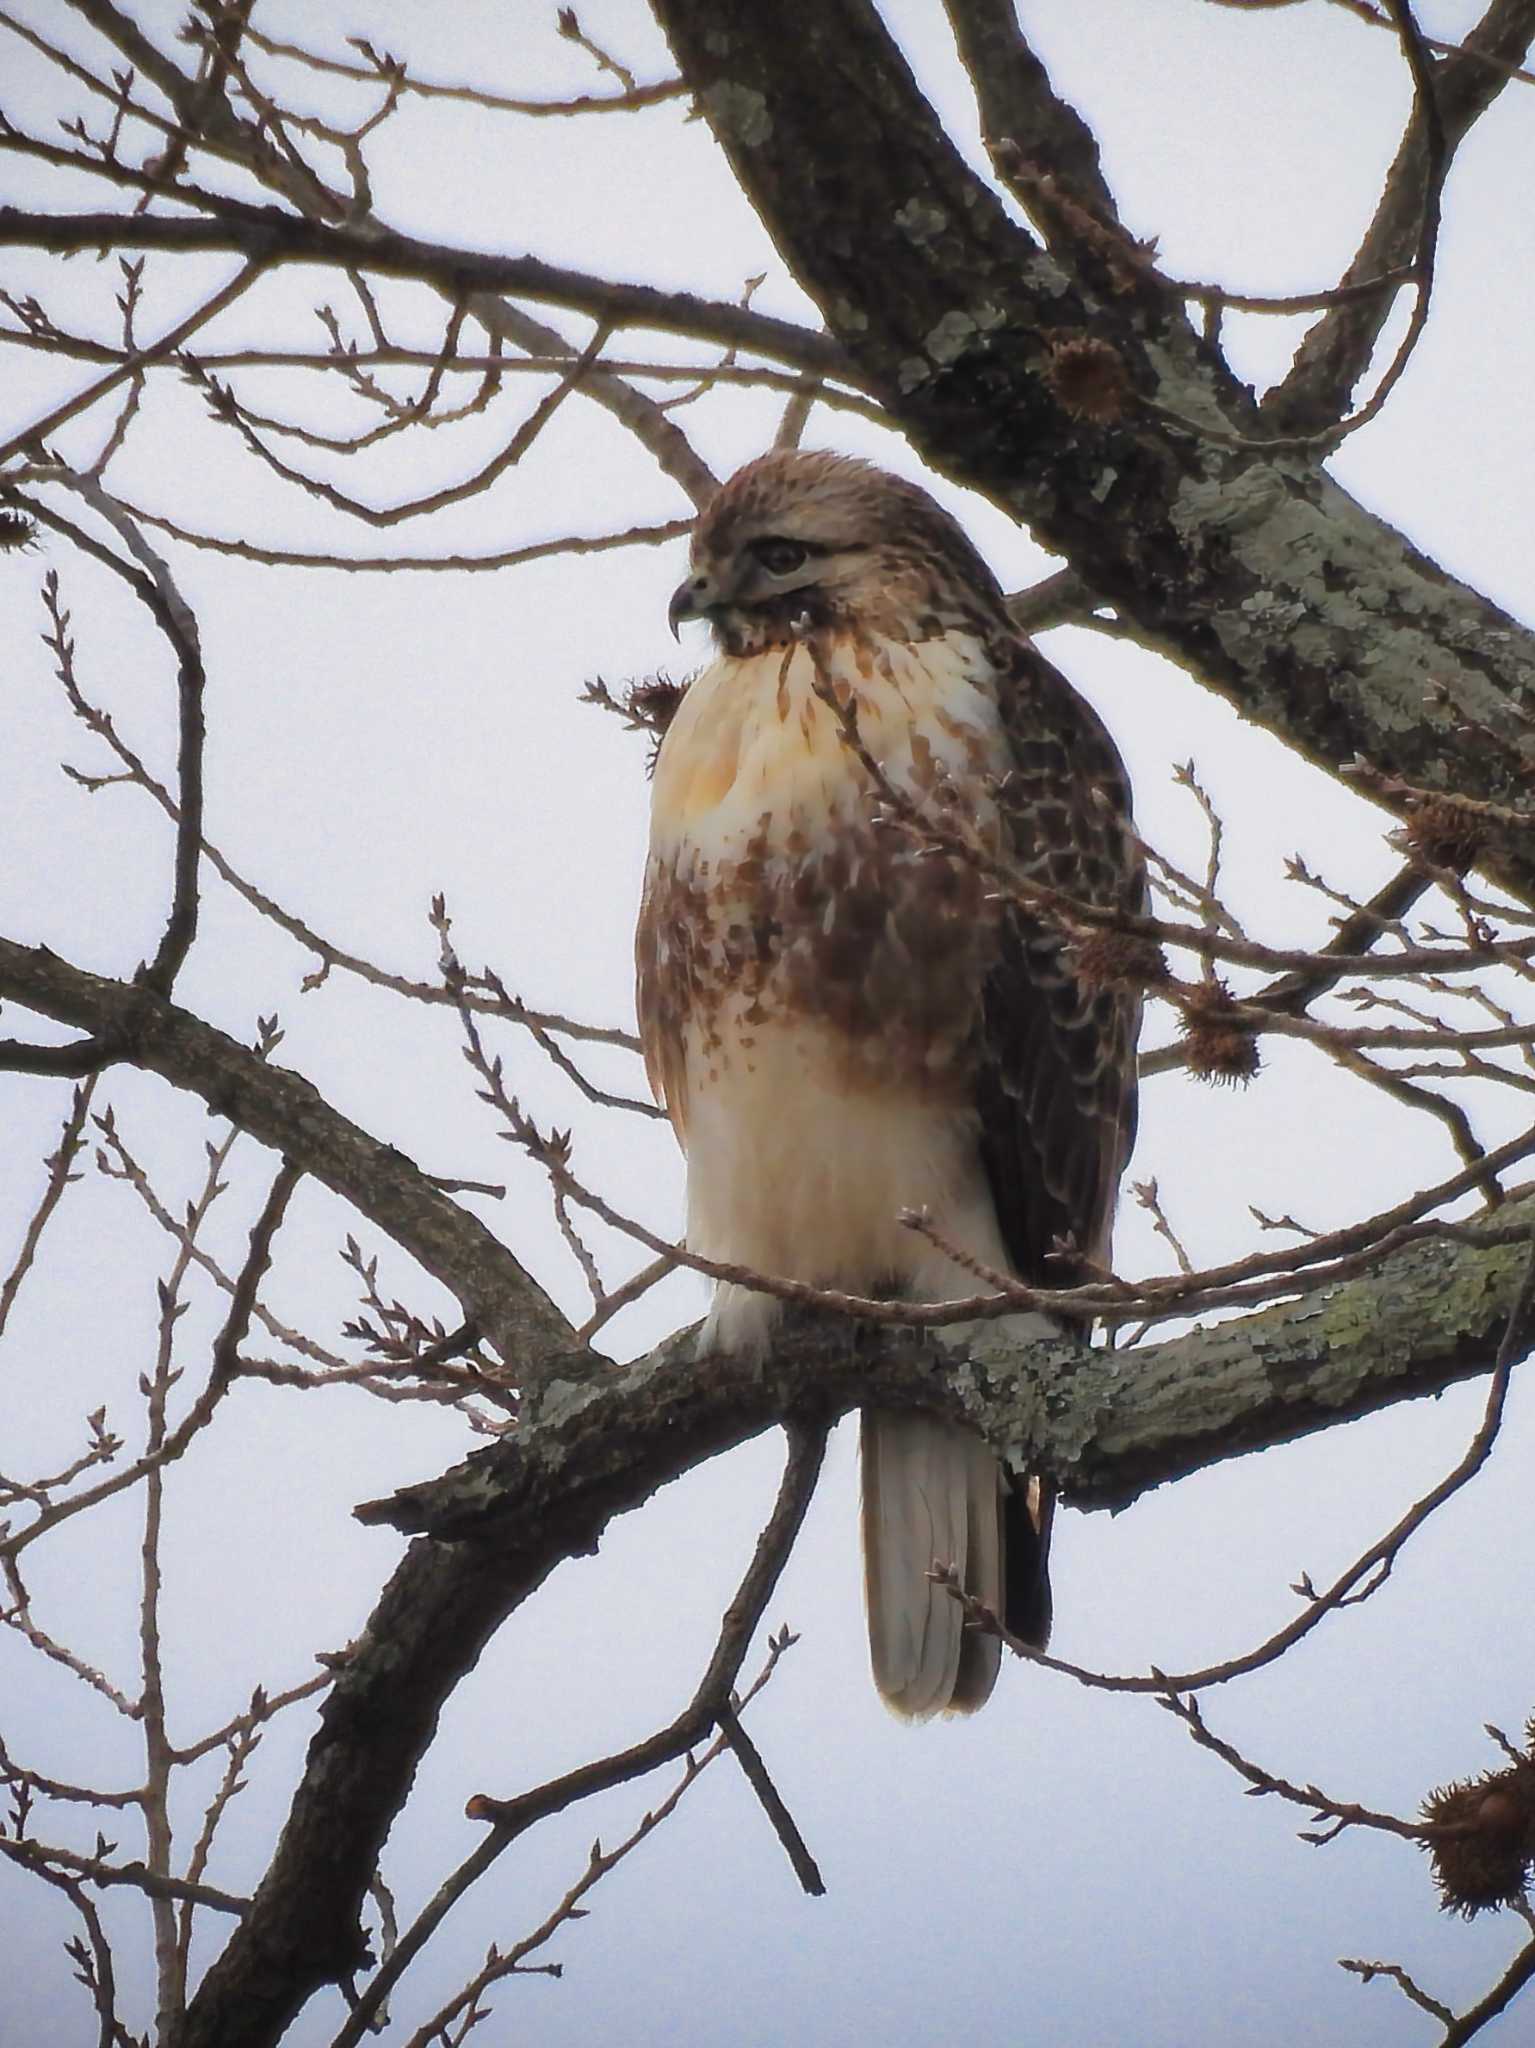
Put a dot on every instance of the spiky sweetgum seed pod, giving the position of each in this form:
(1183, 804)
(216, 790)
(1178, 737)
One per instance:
(1230, 1058)
(1215, 1046)
(1088, 378)
(17, 531)
(1483, 1859)
(1118, 960)
(1446, 833)
(653, 702)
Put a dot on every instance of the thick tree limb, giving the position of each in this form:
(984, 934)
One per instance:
(597, 1442)
(1420, 1320)
(1243, 562)
(1109, 1425)
(1116, 1425)
(595, 1449)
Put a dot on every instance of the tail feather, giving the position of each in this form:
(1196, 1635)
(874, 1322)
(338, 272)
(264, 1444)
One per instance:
(1027, 1515)
(931, 1491)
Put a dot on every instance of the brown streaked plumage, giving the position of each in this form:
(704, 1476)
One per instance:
(843, 1022)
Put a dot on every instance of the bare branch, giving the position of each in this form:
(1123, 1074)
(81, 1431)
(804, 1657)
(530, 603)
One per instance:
(33, 437)
(381, 67)
(40, 1856)
(1021, 114)
(1447, 103)
(1398, 1976)
(755, 1771)
(512, 1818)
(59, 1163)
(269, 236)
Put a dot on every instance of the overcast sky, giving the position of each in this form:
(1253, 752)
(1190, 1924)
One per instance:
(1064, 1866)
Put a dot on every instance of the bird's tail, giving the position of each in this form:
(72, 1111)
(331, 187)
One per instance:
(934, 1492)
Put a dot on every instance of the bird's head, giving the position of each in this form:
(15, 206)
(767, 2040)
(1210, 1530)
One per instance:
(796, 543)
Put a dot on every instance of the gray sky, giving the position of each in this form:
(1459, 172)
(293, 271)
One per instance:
(1065, 1866)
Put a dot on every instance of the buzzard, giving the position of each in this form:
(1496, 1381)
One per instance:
(844, 1018)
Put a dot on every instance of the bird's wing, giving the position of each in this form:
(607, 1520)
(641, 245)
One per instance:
(1055, 1081)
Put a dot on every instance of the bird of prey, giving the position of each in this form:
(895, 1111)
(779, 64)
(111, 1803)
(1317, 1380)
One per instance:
(846, 1015)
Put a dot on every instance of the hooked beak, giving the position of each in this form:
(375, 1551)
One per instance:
(692, 599)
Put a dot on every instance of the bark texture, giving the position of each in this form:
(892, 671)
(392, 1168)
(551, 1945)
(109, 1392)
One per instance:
(598, 1440)
(1246, 563)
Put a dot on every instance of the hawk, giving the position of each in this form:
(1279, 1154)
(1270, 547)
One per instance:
(845, 1019)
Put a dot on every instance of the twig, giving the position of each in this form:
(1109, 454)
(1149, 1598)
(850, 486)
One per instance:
(631, 1290)
(631, 100)
(156, 589)
(227, 409)
(1368, 1572)
(756, 1774)
(1341, 1813)
(59, 1164)
(96, 1870)
(511, 1818)
(1148, 1196)
(133, 365)
(1365, 1972)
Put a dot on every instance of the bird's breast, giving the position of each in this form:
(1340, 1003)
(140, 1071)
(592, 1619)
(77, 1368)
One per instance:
(779, 897)
(760, 734)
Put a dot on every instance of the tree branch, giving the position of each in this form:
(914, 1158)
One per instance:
(1336, 353)
(286, 1112)
(271, 235)
(596, 1448)
(1246, 564)
(599, 1441)
(1019, 106)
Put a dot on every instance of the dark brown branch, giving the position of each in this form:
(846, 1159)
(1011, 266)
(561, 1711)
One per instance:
(159, 595)
(203, 111)
(444, 564)
(1398, 1976)
(268, 235)
(139, 1877)
(226, 408)
(1273, 590)
(1294, 993)
(1508, 1987)
(242, 2001)
(131, 365)
(1059, 600)
(246, 144)
(58, 1164)
(1434, 163)
(93, 1964)
(1019, 106)
(382, 69)
(1363, 10)
(1344, 1813)
(1337, 351)
(284, 1111)
(755, 1772)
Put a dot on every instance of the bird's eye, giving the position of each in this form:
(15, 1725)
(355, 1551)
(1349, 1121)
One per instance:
(780, 557)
